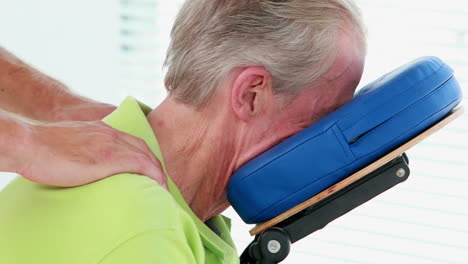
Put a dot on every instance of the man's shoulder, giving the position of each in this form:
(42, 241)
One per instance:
(138, 199)
(125, 195)
(93, 217)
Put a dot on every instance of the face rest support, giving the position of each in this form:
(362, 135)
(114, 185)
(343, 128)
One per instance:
(383, 115)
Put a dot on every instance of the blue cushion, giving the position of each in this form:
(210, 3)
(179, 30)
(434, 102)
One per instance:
(385, 114)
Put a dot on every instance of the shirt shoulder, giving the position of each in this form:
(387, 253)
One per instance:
(137, 199)
(95, 218)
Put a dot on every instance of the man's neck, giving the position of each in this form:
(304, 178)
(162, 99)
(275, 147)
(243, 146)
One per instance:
(197, 158)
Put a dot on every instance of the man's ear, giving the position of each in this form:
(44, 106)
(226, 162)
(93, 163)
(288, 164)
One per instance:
(251, 92)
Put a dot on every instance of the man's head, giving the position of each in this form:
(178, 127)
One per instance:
(294, 40)
(280, 65)
(245, 74)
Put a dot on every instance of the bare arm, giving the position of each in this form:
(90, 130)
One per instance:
(61, 153)
(27, 92)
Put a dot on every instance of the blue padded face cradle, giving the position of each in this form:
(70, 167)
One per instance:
(384, 115)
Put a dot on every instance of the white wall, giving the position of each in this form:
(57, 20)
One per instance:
(74, 41)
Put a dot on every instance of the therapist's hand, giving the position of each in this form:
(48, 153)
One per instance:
(76, 153)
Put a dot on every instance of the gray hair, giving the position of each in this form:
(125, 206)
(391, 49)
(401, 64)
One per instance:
(295, 40)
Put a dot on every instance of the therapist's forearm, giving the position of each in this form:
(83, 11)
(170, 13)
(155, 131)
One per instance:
(28, 92)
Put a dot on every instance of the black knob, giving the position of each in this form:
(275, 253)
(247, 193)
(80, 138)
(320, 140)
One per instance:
(273, 246)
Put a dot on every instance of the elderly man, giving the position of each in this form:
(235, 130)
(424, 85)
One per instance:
(242, 76)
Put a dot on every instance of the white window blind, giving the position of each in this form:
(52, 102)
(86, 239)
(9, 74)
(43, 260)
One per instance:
(144, 37)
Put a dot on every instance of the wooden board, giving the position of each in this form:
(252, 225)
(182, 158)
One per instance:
(358, 175)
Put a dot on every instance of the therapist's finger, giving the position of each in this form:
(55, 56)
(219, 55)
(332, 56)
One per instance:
(150, 166)
(145, 162)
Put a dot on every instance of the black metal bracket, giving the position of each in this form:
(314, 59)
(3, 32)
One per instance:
(273, 245)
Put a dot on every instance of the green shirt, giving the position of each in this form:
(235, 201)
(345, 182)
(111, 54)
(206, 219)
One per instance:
(126, 218)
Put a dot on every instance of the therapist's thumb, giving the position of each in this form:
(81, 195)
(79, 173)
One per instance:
(151, 167)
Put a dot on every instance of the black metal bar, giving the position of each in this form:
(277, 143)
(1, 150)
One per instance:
(320, 214)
